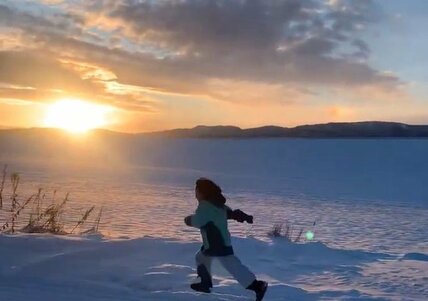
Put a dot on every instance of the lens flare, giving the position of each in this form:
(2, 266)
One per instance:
(309, 235)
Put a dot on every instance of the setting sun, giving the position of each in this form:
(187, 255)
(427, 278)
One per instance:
(76, 116)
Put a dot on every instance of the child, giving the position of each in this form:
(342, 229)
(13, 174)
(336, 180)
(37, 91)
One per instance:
(211, 218)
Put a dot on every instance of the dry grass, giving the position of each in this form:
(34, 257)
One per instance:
(287, 231)
(42, 218)
(4, 174)
(84, 218)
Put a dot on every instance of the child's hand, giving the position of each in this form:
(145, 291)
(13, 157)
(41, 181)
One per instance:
(188, 220)
(241, 216)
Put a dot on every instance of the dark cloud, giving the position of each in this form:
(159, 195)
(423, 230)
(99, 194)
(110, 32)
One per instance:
(259, 40)
(210, 27)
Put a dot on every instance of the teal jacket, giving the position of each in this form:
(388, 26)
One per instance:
(212, 222)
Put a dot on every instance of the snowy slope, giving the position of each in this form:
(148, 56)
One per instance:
(94, 268)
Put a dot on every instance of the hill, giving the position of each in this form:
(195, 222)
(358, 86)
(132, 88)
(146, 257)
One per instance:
(368, 129)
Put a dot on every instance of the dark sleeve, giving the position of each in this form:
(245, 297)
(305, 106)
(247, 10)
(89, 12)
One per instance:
(239, 216)
(229, 212)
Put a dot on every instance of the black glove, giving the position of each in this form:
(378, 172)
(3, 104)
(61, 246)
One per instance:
(188, 220)
(240, 216)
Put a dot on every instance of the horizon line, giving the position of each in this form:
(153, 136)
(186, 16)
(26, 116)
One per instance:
(5, 128)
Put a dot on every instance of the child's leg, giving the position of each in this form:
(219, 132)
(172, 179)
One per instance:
(203, 264)
(239, 271)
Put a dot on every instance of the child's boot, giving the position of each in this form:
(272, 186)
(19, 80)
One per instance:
(206, 281)
(260, 288)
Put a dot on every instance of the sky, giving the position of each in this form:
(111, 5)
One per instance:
(179, 63)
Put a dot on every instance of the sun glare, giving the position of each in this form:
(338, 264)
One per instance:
(76, 116)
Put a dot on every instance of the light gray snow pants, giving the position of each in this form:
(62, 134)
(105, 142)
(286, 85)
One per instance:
(232, 264)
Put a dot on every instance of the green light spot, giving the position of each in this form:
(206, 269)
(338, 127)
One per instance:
(309, 235)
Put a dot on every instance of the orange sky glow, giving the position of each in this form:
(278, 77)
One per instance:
(142, 66)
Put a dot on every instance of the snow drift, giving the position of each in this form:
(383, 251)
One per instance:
(44, 267)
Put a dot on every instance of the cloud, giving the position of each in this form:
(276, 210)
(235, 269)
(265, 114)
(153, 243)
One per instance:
(35, 76)
(258, 40)
(256, 94)
(38, 70)
(35, 22)
(237, 51)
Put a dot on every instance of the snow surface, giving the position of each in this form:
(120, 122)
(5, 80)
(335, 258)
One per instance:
(43, 267)
(369, 199)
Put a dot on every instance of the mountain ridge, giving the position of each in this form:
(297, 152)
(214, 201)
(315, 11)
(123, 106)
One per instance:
(362, 129)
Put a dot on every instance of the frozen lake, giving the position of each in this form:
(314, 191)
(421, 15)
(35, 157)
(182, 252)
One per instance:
(369, 194)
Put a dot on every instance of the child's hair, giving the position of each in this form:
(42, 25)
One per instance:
(211, 191)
